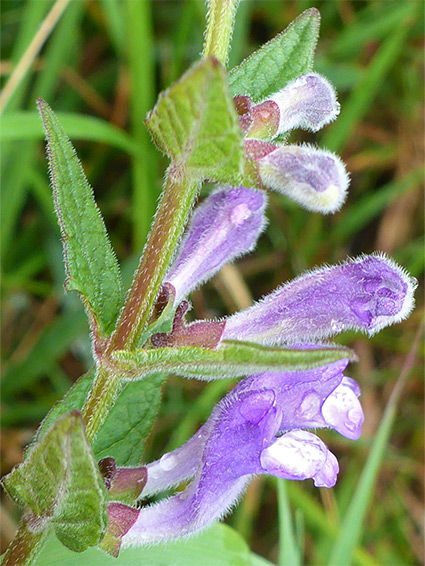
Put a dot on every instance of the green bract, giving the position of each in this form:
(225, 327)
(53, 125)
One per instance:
(60, 485)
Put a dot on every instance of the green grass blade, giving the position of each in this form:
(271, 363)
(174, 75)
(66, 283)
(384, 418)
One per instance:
(15, 180)
(371, 24)
(353, 524)
(31, 18)
(26, 125)
(289, 554)
(369, 86)
(114, 15)
(140, 52)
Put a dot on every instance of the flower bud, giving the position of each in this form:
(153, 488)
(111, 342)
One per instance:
(314, 178)
(226, 225)
(367, 294)
(308, 102)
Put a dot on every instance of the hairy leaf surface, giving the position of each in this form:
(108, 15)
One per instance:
(194, 122)
(279, 61)
(90, 263)
(60, 483)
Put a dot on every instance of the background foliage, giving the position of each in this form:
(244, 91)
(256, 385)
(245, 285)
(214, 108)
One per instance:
(100, 70)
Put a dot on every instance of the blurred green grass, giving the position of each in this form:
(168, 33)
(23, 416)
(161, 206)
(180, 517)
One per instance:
(101, 69)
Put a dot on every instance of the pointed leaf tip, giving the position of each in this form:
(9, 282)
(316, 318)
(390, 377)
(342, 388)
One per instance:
(279, 61)
(90, 263)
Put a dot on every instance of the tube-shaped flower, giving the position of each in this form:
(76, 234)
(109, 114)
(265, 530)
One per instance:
(366, 293)
(315, 178)
(257, 428)
(226, 225)
(308, 102)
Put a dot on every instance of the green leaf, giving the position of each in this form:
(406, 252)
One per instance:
(231, 359)
(73, 400)
(90, 262)
(60, 482)
(124, 431)
(195, 123)
(218, 546)
(279, 61)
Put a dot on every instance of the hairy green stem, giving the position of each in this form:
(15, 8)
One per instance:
(102, 396)
(176, 202)
(26, 545)
(220, 19)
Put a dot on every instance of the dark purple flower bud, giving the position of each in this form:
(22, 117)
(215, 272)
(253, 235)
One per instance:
(367, 294)
(255, 429)
(308, 102)
(314, 178)
(223, 227)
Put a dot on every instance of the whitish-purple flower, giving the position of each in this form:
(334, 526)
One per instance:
(226, 225)
(315, 178)
(366, 293)
(257, 428)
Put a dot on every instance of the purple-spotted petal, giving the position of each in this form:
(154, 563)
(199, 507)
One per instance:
(308, 102)
(314, 178)
(342, 410)
(225, 226)
(367, 294)
(299, 455)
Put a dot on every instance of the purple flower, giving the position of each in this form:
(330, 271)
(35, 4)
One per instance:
(257, 428)
(226, 225)
(260, 426)
(316, 179)
(366, 293)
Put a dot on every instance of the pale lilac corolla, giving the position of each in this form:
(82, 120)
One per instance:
(314, 178)
(226, 225)
(366, 294)
(257, 428)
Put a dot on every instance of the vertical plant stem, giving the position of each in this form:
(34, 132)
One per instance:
(176, 201)
(102, 396)
(220, 18)
(25, 546)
